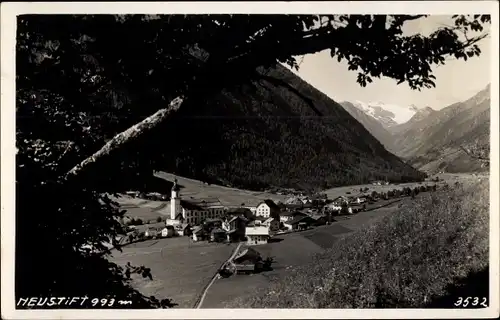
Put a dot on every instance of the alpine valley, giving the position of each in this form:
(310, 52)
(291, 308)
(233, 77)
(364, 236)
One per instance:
(428, 139)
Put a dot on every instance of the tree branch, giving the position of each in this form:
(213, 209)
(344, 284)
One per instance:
(126, 136)
(237, 66)
(69, 146)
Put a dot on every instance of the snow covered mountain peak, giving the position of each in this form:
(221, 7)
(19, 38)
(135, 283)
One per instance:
(387, 114)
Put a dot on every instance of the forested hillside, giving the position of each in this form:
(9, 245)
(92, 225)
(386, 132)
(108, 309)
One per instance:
(264, 134)
(371, 124)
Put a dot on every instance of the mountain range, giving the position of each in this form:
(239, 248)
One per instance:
(389, 115)
(432, 140)
(375, 126)
(266, 134)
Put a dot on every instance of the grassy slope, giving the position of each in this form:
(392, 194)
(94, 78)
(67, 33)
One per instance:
(264, 135)
(408, 259)
(179, 267)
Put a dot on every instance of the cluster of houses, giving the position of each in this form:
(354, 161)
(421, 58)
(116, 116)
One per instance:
(209, 220)
(349, 205)
(380, 183)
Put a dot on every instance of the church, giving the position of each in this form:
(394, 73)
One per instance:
(192, 211)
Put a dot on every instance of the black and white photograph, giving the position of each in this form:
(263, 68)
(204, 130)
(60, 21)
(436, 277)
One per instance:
(297, 159)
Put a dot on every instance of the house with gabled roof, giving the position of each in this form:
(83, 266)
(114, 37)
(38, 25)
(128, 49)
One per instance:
(267, 208)
(289, 216)
(257, 235)
(300, 223)
(240, 211)
(198, 233)
(272, 223)
(183, 229)
(168, 231)
(341, 200)
(217, 235)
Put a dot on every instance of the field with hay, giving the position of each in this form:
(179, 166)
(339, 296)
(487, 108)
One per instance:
(149, 210)
(444, 178)
(228, 196)
(424, 255)
(180, 268)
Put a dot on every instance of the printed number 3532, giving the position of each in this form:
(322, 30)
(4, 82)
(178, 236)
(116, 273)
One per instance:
(471, 301)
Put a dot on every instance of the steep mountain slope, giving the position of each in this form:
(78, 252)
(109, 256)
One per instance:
(371, 124)
(433, 142)
(266, 135)
(420, 115)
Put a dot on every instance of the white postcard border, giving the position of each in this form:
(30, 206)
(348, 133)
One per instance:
(9, 11)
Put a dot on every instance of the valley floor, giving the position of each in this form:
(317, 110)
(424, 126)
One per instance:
(289, 252)
(424, 254)
(181, 268)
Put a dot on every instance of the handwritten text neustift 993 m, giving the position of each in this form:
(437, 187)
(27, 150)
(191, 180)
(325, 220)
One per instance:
(54, 302)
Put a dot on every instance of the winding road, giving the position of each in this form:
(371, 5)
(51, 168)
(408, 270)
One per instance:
(215, 277)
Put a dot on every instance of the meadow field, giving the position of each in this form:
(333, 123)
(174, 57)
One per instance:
(180, 268)
(290, 252)
(228, 196)
(444, 178)
(424, 254)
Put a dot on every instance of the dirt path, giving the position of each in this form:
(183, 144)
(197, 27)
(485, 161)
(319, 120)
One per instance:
(216, 276)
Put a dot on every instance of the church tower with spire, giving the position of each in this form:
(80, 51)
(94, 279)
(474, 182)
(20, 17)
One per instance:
(175, 201)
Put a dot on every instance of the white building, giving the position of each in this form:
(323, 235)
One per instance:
(306, 200)
(151, 233)
(168, 232)
(192, 211)
(333, 207)
(266, 208)
(341, 200)
(197, 234)
(360, 200)
(226, 226)
(257, 235)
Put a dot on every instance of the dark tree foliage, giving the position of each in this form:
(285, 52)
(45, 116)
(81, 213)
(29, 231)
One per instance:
(81, 80)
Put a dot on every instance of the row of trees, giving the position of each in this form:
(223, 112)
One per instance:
(135, 221)
(94, 95)
(406, 191)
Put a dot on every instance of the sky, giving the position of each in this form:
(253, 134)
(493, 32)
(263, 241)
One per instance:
(456, 81)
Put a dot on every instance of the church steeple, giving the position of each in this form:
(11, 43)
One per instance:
(175, 201)
(175, 190)
(175, 187)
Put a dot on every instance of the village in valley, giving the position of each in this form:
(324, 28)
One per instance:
(209, 220)
(248, 234)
